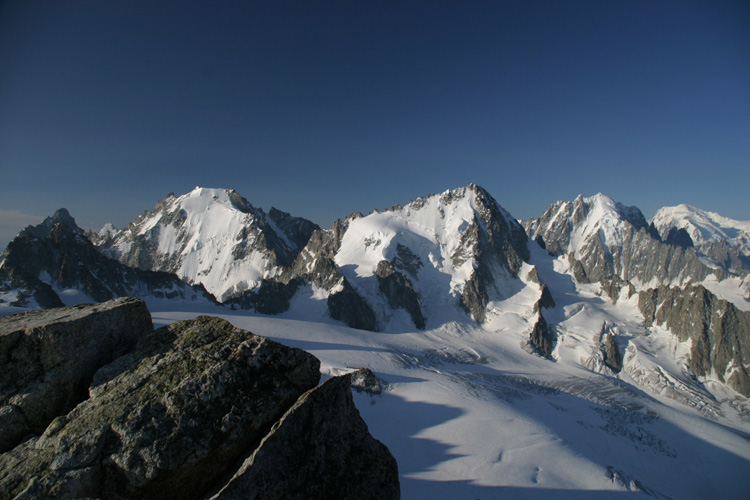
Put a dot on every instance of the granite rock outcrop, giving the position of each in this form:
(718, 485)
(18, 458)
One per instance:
(180, 407)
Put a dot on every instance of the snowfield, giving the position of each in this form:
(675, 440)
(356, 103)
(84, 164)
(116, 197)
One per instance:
(470, 413)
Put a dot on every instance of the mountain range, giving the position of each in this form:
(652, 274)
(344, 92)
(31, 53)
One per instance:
(422, 264)
(660, 306)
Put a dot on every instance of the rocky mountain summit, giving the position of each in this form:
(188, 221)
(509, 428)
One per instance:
(444, 251)
(604, 239)
(56, 258)
(195, 409)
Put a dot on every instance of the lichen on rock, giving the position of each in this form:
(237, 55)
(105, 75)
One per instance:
(166, 420)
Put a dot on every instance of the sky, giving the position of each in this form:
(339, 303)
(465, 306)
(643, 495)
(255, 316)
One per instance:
(326, 108)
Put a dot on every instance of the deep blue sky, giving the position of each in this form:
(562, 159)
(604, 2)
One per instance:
(324, 108)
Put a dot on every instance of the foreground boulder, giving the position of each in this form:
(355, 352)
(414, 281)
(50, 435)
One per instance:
(177, 413)
(166, 420)
(320, 449)
(48, 359)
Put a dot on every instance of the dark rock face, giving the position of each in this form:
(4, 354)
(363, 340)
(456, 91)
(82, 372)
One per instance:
(319, 449)
(506, 238)
(642, 257)
(546, 301)
(727, 256)
(348, 306)
(406, 260)
(579, 273)
(27, 288)
(364, 380)
(315, 265)
(297, 230)
(475, 296)
(271, 297)
(611, 354)
(679, 237)
(49, 359)
(496, 241)
(59, 250)
(166, 420)
(613, 287)
(542, 337)
(533, 275)
(399, 291)
(720, 332)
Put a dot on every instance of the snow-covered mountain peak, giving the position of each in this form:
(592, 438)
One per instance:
(601, 207)
(214, 237)
(441, 221)
(570, 225)
(107, 230)
(723, 241)
(437, 243)
(701, 225)
(202, 199)
(61, 216)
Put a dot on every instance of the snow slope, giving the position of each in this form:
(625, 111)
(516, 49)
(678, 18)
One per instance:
(702, 225)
